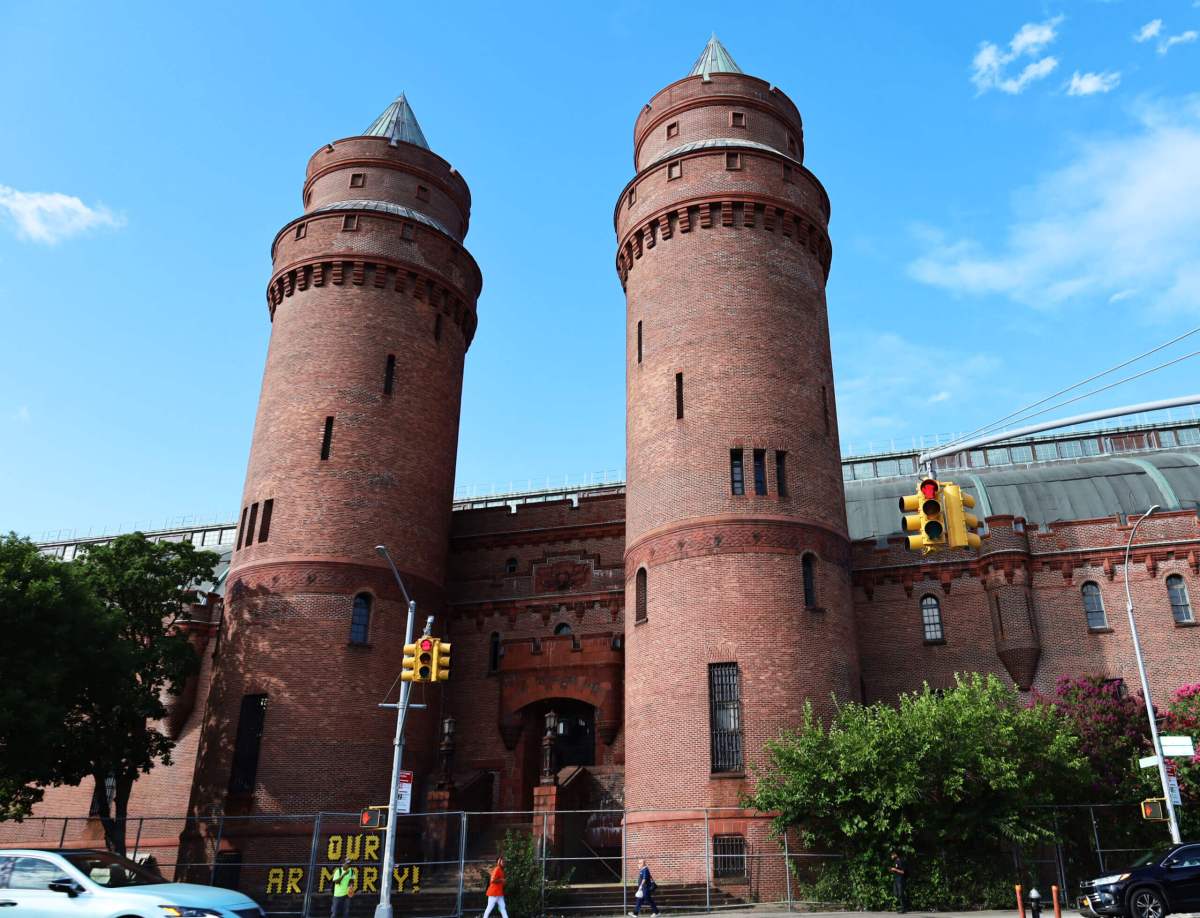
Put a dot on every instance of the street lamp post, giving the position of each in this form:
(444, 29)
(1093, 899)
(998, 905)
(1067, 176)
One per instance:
(1172, 823)
(384, 908)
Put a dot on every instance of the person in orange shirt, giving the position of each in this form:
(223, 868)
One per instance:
(495, 890)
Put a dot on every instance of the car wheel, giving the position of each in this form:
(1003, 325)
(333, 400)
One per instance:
(1146, 903)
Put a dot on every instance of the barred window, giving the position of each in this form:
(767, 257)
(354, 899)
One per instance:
(640, 596)
(1181, 606)
(725, 715)
(246, 747)
(729, 856)
(360, 619)
(1093, 605)
(931, 618)
(810, 581)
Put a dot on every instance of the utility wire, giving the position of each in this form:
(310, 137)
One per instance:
(1083, 382)
(1111, 385)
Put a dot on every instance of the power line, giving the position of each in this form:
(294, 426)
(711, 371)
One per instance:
(1082, 382)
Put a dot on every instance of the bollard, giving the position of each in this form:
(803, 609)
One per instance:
(1020, 901)
(1035, 903)
(1057, 904)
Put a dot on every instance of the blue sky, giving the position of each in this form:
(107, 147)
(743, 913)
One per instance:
(1014, 192)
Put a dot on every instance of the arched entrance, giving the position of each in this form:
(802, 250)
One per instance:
(570, 727)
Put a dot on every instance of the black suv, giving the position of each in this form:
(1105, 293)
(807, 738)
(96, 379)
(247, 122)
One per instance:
(1157, 883)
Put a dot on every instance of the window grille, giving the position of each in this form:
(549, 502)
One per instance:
(1093, 606)
(246, 747)
(729, 856)
(725, 712)
(360, 619)
(1181, 606)
(737, 476)
(931, 618)
(640, 596)
(810, 581)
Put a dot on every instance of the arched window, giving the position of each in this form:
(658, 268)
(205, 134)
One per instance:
(931, 618)
(640, 596)
(807, 567)
(360, 619)
(1093, 606)
(562, 628)
(494, 652)
(1181, 606)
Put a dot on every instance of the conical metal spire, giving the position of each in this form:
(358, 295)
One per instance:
(398, 123)
(714, 59)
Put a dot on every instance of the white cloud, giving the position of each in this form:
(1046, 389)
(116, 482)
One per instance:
(1183, 38)
(51, 217)
(1122, 295)
(1119, 217)
(1088, 84)
(990, 65)
(1148, 31)
(21, 415)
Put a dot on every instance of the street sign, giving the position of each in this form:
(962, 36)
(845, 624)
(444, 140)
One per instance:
(1178, 745)
(1173, 788)
(404, 786)
(1150, 761)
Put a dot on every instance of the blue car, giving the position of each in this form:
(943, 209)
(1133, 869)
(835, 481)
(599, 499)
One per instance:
(60, 883)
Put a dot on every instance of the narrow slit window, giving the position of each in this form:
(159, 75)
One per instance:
(360, 619)
(674, 170)
(407, 232)
(510, 566)
(673, 129)
(251, 720)
(737, 119)
(808, 569)
(358, 179)
(422, 193)
(825, 407)
(760, 471)
(640, 596)
(264, 529)
(494, 652)
(437, 327)
(632, 198)
(725, 713)
(733, 161)
(781, 472)
(678, 396)
(251, 524)
(389, 375)
(787, 173)
(301, 230)
(999, 613)
(737, 479)
(242, 527)
(639, 341)
(350, 222)
(327, 439)
(1093, 606)
(1181, 605)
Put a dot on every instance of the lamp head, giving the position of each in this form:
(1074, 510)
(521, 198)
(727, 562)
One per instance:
(382, 549)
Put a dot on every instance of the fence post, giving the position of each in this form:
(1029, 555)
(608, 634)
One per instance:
(1096, 836)
(544, 839)
(707, 865)
(138, 840)
(212, 873)
(624, 842)
(462, 861)
(62, 839)
(1058, 853)
(787, 870)
(312, 863)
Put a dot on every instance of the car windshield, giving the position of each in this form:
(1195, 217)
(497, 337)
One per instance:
(1148, 857)
(111, 870)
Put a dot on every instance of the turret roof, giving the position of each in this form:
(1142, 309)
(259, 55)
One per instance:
(714, 59)
(398, 123)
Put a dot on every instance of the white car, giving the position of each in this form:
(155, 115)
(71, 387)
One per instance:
(99, 884)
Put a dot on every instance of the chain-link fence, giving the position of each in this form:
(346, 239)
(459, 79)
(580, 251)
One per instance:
(582, 862)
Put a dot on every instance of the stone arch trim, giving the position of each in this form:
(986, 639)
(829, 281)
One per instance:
(599, 686)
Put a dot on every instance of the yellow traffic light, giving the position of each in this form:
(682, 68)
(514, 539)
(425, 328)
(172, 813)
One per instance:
(408, 668)
(425, 653)
(911, 504)
(933, 515)
(441, 661)
(960, 525)
(1154, 809)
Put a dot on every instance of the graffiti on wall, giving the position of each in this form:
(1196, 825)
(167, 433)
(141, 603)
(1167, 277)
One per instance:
(363, 850)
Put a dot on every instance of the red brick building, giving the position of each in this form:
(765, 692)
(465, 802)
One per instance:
(620, 645)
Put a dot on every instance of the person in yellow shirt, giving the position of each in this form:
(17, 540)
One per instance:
(345, 882)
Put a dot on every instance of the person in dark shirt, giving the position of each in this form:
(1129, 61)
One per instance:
(899, 872)
(645, 890)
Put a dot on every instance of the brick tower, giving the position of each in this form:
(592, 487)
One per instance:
(738, 603)
(372, 302)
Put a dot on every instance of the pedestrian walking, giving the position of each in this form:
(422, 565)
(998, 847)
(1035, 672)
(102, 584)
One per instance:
(899, 872)
(645, 890)
(495, 890)
(345, 882)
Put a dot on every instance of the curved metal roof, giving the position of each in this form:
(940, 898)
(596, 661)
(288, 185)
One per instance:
(1042, 494)
(386, 207)
(722, 142)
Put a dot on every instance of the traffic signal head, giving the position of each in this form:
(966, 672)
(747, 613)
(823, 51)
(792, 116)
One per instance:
(373, 817)
(1152, 809)
(910, 520)
(408, 669)
(441, 662)
(933, 522)
(425, 653)
(960, 524)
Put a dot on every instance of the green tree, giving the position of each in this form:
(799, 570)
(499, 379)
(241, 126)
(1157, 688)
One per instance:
(146, 586)
(949, 779)
(523, 880)
(55, 628)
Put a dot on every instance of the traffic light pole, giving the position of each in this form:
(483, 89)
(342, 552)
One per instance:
(384, 908)
(1172, 823)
